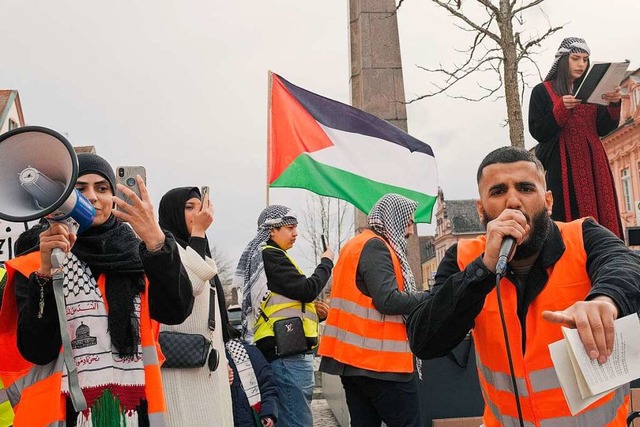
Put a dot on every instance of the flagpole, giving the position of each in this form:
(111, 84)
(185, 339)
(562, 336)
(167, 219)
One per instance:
(268, 131)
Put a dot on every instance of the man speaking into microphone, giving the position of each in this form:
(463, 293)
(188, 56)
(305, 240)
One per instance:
(576, 274)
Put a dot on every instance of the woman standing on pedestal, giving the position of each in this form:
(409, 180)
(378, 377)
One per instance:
(568, 133)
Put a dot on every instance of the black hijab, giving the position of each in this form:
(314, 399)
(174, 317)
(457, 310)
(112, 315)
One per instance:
(171, 214)
(171, 219)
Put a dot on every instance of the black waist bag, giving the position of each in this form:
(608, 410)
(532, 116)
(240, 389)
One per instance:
(184, 350)
(289, 336)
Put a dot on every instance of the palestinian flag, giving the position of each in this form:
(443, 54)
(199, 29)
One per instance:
(339, 151)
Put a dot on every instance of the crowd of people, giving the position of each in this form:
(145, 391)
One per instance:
(132, 329)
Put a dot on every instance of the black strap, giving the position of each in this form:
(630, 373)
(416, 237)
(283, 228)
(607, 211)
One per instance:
(266, 318)
(212, 307)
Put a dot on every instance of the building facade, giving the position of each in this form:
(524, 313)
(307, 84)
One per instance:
(623, 149)
(455, 220)
(11, 116)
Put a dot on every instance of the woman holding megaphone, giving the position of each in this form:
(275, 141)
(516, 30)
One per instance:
(118, 282)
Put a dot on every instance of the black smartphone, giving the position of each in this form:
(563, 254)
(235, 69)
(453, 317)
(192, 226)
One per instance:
(324, 242)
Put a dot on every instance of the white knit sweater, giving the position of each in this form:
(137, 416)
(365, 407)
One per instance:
(195, 398)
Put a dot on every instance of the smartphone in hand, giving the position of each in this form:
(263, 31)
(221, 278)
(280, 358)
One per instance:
(204, 194)
(126, 175)
(324, 243)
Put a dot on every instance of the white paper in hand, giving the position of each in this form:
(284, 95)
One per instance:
(584, 380)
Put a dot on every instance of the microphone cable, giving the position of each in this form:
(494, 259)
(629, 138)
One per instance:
(510, 359)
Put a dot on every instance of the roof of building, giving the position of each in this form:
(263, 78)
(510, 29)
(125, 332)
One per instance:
(427, 248)
(7, 97)
(463, 215)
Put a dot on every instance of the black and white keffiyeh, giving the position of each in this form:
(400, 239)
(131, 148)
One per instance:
(568, 45)
(390, 217)
(249, 276)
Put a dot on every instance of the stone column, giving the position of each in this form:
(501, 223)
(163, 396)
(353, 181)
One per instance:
(376, 79)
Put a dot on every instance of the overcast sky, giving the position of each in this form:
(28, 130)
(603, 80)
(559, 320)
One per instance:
(181, 86)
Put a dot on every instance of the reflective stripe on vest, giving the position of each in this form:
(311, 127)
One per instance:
(369, 313)
(277, 306)
(356, 333)
(36, 374)
(596, 417)
(541, 397)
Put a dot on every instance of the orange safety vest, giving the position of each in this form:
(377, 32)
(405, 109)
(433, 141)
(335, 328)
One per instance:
(34, 390)
(541, 397)
(356, 333)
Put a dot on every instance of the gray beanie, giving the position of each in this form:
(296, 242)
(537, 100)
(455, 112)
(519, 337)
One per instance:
(92, 163)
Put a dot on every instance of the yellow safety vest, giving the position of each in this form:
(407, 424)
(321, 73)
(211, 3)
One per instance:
(6, 412)
(276, 307)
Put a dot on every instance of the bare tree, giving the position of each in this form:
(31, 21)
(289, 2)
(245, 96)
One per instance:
(226, 269)
(499, 46)
(326, 216)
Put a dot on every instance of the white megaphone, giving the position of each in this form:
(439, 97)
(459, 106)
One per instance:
(38, 172)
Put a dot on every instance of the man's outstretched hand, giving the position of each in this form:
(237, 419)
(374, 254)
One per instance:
(594, 322)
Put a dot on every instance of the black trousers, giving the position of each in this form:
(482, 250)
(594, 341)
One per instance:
(372, 401)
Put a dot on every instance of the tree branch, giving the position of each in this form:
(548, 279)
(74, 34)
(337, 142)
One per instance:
(524, 49)
(490, 6)
(468, 21)
(526, 6)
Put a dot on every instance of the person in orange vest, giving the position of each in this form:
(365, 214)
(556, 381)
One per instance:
(576, 274)
(364, 339)
(118, 281)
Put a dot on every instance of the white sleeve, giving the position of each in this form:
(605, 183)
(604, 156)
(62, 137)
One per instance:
(200, 271)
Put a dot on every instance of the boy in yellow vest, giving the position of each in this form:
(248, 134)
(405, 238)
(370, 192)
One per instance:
(273, 289)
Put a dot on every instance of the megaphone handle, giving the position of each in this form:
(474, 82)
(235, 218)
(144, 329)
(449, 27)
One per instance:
(57, 255)
(57, 259)
(75, 392)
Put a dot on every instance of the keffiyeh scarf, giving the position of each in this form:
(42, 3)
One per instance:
(568, 45)
(240, 357)
(103, 375)
(250, 277)
(390, 217)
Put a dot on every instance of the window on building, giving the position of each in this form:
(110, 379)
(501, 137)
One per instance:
(626, 188)
(12, 124)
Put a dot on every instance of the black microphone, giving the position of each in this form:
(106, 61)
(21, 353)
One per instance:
(506, 250)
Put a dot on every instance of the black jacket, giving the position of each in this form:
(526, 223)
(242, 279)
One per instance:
(284, 278)
(170, 301)
(441, 322)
